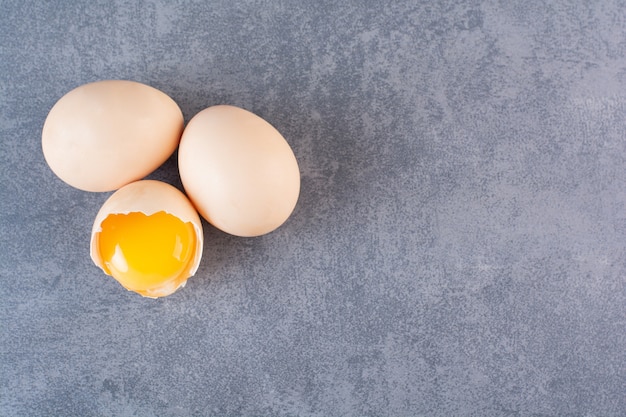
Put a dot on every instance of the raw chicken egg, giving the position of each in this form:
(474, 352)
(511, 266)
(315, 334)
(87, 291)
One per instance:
(238, 171)
(148, 236)
(106, 134)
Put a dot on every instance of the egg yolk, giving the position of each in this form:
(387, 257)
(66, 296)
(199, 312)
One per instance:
(145, 252)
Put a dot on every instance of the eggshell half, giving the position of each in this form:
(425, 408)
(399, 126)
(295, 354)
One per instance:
(238, 171)
(149, 197)
(104, 135)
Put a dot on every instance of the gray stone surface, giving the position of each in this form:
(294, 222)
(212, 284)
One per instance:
(459, 247)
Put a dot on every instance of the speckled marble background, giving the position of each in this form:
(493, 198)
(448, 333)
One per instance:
(458, 249)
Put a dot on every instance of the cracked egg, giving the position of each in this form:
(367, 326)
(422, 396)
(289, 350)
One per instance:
(148, 236)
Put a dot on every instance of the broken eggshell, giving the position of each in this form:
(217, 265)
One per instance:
(150, 197)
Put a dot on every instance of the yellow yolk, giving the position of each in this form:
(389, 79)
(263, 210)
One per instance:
(147, 252)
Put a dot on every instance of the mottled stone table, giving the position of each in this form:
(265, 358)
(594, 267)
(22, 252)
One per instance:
(458, 249)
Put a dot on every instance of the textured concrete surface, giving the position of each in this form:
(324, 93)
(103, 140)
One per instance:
(459, 247)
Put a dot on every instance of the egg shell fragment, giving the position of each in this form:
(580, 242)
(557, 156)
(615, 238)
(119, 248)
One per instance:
(106, 134)
(150, 197)
(238, 171)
